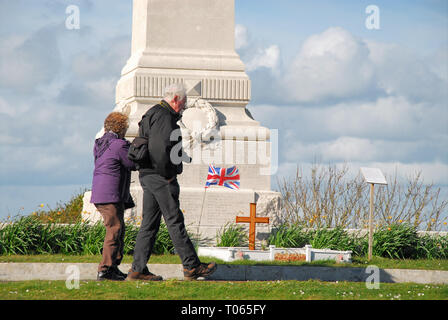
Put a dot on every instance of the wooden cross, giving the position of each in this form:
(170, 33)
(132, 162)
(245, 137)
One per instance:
(253, 219)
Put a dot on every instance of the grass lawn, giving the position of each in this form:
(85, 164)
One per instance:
(219, 290)
(384, 263)
(223, 290)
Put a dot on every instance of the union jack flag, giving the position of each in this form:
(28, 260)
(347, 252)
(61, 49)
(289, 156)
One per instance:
(229, 178)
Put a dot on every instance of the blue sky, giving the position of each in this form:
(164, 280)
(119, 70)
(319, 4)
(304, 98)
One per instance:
(334, 89)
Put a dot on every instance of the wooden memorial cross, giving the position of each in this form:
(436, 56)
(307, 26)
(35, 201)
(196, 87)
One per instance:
(252, 220)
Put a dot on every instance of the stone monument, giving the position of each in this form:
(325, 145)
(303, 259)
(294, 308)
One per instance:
(193, 42)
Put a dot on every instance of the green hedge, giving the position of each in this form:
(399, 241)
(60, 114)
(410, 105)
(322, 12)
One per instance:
(28, 235)
(392, 241)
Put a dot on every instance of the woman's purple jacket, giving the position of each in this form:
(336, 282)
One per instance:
(112, 174)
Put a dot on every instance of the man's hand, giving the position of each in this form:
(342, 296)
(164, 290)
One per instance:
(169, 180)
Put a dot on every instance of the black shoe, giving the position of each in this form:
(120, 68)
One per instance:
(110, 274)
(124, 275)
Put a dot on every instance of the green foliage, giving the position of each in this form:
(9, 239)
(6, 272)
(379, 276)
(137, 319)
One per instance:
(336, 239)
(69, 212)
(29, 235)
(395, 241)
(432, 247)
(289, 236)
(43, 233)
(163, 242)
(231, 235)
(19, 237)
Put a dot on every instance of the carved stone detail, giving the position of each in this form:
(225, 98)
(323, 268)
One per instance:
(211, 89)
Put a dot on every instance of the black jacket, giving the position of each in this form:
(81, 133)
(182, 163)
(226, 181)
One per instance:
(158, 124)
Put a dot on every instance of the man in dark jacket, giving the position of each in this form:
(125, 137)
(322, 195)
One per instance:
(161, 189)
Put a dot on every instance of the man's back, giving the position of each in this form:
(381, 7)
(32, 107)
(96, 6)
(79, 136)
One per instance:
(157, 124)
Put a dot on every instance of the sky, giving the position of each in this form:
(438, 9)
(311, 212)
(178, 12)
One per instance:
(336, 89)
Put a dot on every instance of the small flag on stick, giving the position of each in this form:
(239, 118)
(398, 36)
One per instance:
(229, 177)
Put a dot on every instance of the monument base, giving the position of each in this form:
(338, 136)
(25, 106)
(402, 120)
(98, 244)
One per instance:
(219, 206)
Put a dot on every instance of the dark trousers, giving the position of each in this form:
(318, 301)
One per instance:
(113, 218)
(161, 197)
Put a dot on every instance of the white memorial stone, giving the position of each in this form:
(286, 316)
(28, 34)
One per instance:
(193, 42)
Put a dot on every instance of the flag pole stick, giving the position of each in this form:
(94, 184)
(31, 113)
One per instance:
(202, 209)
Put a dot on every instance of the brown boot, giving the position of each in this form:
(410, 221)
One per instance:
(145, 275)
(203, 270)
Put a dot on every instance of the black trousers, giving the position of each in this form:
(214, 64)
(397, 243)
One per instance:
(161, 197)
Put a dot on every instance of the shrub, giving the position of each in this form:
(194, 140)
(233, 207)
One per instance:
(19, 237)
(296, 236)
(432, 247)
(163, 242)
(28, 235)
(396, 241)
(336, 239)
(69, 212)
(328, 197)
(289, 236)
(231, 235)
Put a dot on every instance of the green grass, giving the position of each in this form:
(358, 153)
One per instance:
(220, 290)
(61, 258)
(384, 263)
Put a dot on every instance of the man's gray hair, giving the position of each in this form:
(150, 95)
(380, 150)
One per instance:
(174, 89)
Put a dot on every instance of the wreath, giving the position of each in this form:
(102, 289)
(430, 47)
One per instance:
(192, 137)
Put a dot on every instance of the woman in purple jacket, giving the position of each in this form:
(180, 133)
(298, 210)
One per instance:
(110, 191)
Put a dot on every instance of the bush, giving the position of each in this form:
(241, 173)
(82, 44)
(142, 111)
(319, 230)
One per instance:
(19, 237)
(289, 236)
(231, 235)
(392, 241)
(336, 239)
(28, 235)
(396, 241)
(69, 212)
(296, 236)
(329, 197)
(163, 242)
(432, 247)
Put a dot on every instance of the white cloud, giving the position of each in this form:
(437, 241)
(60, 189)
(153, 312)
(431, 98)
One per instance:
(268, 58)
(336, 66)
(361, 102)
(29, 62)
(389, 118)
(241, 37)
(354, 149)
(340, 149)
(5, 108)
(438, 63)
(333, 64)
(400, 72)
(393, 117)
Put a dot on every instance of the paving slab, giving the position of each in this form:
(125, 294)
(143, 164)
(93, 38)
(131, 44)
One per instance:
(14, 271)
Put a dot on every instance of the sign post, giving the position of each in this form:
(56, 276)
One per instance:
(372, 176)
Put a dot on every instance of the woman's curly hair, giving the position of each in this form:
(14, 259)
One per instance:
(116, 122)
